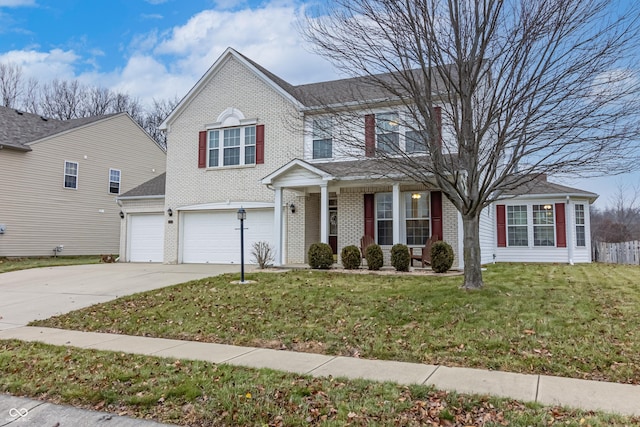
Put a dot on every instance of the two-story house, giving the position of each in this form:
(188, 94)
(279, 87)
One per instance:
(60, 180)
(244, 138)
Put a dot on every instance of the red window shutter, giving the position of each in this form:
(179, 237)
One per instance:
(438, 116)
(501, 217)
(436, 214)
(202, 149)
(369, 215)
(259, 144)
(370, 135)
(561, 227)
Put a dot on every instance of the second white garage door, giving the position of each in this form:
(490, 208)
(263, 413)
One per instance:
(214, 237)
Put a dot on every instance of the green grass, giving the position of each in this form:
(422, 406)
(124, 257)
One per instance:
(204, 394)
(14, 264)
(574, 321)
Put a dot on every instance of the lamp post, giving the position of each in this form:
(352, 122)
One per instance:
(242, 215)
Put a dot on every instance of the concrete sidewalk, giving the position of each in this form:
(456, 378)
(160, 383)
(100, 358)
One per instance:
(589, 395)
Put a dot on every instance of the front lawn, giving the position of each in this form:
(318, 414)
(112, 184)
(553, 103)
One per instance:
(197, 393)
(574, 321)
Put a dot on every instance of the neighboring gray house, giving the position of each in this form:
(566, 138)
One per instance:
(242, 137)
(60, 180)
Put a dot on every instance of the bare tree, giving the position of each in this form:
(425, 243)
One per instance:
(10, 83)
(63, 100)
(98, 101)
(31, 97)
(620, 222)
(524, 87)
(156, 115)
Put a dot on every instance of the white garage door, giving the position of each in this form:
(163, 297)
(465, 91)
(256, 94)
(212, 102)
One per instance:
(214, 237)
(146, 238)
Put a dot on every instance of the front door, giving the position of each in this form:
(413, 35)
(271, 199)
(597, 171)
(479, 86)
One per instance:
(333, 225)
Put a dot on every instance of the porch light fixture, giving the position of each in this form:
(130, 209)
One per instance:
(242, 215)
(169, 212)
(547, 207)
(121, 215)
(416, 196)
(292, 207)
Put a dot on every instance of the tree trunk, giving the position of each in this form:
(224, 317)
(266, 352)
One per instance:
(471, 248)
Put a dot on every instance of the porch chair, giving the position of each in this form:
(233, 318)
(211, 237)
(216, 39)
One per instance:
(365, 242)
(425, 256)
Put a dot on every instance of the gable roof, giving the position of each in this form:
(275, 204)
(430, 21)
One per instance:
(18, 128)
(311, 96)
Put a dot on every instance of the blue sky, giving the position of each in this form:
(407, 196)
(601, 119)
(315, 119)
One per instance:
(160, 48)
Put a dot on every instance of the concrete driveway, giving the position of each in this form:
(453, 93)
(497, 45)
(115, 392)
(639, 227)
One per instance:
(40, 293)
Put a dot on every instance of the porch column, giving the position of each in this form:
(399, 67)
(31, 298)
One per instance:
(324, 213)
(570, 224)
(396, 213)
(277, 226)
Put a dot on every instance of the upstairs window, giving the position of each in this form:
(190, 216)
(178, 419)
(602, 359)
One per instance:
(517, 231)
(543, 225)
(415, 138)
(232, 146)
(322, 139)
(114, 181)
(70, 175)
(581, 239)
(387, 133)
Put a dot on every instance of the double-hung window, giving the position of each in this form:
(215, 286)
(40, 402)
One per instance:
(387, 133)
(114, 181)
(322, 139)
(70, 175)
(415, 138)
(543, 225)
(581, 239)
(232, 146)
(517, 230)
(417, 218)
(384, 218)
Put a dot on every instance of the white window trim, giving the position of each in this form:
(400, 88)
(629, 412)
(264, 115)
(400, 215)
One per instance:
(377, 195)
(64, 175)
(221, 147)
(404, 219)
(527, 225)
(583, 225)
(119, 180)
(553, 225)
(313, 137)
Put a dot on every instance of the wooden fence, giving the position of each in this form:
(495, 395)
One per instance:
(617, 253)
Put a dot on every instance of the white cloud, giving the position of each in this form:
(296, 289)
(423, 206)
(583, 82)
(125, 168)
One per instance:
(17, 3)
(267, 35)
(43, 66)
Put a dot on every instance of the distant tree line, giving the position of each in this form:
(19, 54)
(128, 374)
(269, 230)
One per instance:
(619, 222)
(64, 100)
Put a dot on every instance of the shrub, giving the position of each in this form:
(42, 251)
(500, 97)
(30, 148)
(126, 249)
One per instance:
(350, 257)
(374, 257)
(320, 256)
(262, 254)
(441, 257)
(400, 258)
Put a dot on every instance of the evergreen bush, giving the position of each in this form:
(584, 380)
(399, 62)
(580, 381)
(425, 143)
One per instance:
(373, 255)
(350, 256)
(320, 256)
(400, 258)
(441, 257)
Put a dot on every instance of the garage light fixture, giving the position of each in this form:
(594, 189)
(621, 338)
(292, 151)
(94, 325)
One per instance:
(121, 215)
(169, 212)
(293, 208)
